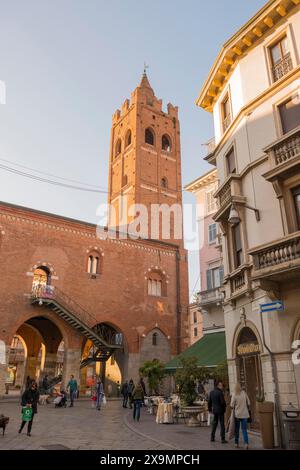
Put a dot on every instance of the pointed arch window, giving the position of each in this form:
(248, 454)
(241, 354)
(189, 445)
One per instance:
(128, 138)
(149, 136)
(166, 143)
(118, 147)
(154, 339)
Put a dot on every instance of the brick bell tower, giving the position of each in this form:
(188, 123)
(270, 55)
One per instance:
(145, 165)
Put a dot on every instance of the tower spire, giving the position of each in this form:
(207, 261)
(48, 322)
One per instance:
(144, 81)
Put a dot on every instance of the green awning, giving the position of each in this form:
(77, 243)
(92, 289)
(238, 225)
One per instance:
(210, 351)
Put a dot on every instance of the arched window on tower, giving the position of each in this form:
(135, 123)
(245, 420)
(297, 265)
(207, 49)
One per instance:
(93, 264)
(128, 139)
(149, 136)
(166, 143)
(154, 339)
(118, 147)
(164, 183)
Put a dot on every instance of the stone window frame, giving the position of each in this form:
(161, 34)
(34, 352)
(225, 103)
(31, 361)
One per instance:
(158, 275)
(94, 253)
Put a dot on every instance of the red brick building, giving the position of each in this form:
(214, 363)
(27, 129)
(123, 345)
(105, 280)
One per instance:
(68, 292)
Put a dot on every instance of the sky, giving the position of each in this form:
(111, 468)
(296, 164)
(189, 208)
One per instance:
(67, 65)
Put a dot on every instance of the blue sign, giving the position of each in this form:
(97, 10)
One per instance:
(271, 307)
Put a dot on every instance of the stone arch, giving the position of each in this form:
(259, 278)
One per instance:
(296, 331)
(237, 333)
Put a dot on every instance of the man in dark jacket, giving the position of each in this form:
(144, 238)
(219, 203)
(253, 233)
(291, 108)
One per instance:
(124, 392)
(217, 406)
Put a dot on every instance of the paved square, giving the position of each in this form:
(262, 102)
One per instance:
(83, 427)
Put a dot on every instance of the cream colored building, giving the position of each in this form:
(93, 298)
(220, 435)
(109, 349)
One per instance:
(253, 92)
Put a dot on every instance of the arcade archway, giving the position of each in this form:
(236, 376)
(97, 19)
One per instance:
(35, 352)
(111, 370)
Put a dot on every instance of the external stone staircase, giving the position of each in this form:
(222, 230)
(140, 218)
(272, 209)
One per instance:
(77, 317)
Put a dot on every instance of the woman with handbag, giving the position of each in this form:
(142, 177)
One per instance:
(240, 404)
(29, 403)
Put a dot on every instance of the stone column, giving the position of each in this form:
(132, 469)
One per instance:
(50, 365)
(4, 358)
(72, 360)
(32, 363)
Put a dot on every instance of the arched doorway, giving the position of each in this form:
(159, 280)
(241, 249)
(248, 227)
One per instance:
(35, 352)
(110, 369)
(249, 368)
(41, 281)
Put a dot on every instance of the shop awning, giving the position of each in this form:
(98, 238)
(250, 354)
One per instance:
(209, 350)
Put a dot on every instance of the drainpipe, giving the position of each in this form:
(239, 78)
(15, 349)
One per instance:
(276, 392)
(178, 286)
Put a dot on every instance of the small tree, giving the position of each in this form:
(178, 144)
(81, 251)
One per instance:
(221, 373)
(186, 378)
(154, 371)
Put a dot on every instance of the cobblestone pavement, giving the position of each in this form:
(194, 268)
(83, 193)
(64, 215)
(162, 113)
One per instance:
(83, 427)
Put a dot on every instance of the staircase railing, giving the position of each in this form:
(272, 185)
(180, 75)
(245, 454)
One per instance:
(52, 292)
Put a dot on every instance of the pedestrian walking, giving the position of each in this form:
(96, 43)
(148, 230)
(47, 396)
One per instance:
(138, 398)
(130, 392)
(217, 406)
(99, 394)
(240, 404)
(124, 392)
(73, 387)
(29, 403)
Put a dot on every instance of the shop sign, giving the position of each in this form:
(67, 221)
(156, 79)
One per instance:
(247, 348)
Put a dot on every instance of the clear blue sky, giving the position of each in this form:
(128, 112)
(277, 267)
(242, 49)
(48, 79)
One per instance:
(68, 64)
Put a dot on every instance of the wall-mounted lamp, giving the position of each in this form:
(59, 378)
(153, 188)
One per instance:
(234, 217)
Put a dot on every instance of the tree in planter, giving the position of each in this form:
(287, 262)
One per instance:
(154, 371)
(186, 378)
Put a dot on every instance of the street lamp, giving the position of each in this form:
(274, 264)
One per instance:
(234, 217)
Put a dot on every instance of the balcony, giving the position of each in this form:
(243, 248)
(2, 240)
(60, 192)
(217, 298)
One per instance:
(210, 297)
(284, 155)
(278, 260)
(283, 67)
(238, 282)
(229, 192)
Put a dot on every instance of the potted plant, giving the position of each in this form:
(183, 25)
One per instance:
(186, 378)
(154, 371)
(265, 410)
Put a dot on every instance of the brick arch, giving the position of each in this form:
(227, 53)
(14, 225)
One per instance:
(63, 328)
(164, 138)
(159, 274)
(128, 134)
(43, 264)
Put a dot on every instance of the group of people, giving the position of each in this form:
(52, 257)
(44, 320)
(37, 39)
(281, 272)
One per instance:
(241, 414)
(134, 396)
